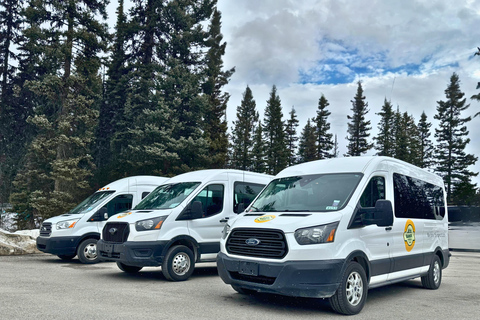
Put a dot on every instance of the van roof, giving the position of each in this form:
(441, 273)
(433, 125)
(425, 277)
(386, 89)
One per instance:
(212, 174)
(363, 164)
(124, 183)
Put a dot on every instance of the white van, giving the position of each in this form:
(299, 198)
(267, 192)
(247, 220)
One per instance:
(335, 228)
(77, 232)
(179, 223)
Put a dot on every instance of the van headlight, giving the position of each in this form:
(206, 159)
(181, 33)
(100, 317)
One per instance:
(150, 224)
(317, 234)
(67, 224)
(226, 231)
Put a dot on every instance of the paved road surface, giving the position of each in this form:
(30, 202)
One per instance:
(44, 287)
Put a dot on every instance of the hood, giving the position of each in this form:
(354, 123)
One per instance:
(288, 222)
(133, 216)
(64, 217)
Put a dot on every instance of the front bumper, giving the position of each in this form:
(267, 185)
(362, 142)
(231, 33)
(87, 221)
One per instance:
(58, 245)
(314, 279)
(133, 253)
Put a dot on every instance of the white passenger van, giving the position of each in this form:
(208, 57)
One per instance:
(77, 232)
(180, 223)
(335, 228)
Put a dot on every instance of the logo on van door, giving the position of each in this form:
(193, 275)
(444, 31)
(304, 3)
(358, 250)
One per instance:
(409, 235)
(264, 218)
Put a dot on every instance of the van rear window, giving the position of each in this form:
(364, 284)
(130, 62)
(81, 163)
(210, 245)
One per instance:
(417, 199)
(318, 192)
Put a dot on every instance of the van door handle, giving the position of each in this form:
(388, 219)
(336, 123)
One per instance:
(224, 220)
(388, 228)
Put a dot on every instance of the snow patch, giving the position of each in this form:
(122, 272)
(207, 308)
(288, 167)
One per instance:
(20, 242)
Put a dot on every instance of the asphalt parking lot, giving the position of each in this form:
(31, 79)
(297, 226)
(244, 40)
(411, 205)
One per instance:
(44, 287)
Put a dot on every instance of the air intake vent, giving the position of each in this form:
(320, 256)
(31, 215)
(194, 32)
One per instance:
(46, 229)
(262, 243)
(116, 232)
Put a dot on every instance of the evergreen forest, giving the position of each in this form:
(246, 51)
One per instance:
(82, 105)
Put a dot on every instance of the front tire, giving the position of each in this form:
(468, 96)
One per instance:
(178, 264)
(433, 279)
(127, 268)
(352, 292)
(87, 251)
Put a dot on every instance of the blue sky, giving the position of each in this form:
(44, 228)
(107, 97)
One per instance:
(404, 51)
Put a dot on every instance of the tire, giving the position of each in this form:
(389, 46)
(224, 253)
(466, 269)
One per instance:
(433, 278)
(127, 268)
(87, 251)
(352, 292)
(243, 290)
(178, 264)
(65, 257)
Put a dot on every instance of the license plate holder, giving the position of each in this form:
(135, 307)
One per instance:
(109, 249)
(248, 268)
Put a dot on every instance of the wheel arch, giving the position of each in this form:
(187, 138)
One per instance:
(361, 258)
(183, 240)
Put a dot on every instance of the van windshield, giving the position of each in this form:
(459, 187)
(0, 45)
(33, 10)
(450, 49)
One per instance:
(91, 202)
(167, 196)
(317, 193)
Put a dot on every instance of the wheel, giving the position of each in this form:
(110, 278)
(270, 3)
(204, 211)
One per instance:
(66, 257)
(433, 278)
(352, 292)
(87, 251)
(178, 264)
(243, 290)
(128, 269)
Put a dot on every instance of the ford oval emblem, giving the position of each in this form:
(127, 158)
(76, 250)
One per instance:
(112, 231)
(252, 242)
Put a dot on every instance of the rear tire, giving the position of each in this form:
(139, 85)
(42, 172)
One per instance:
(433, 279)
(66, 257)
(87, 251)
(352, 292)
(178, 264)
(127, 268)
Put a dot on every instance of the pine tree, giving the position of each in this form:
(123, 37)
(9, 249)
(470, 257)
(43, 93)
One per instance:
(477, 96)
(385, 141)
(215, 115)
(307, 150)
(426, 145)
(335, 151)
(323, 137)
(275, 134)
(358, 128)
(291, 137)
(243, 131)
(407, 141)
(451, 134)
(258, 151)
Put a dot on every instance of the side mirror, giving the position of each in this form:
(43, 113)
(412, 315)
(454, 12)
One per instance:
(100, 215)
(240, 207)
(382, 215)
(196, 210)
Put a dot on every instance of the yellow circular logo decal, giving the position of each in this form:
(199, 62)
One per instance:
(409, 235)
(123, 215)
(263, 219)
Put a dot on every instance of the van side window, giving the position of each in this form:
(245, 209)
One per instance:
(374, 191)
(245, 192)
(120, 203)
(145, 193)
(211, 198)
(415, 198)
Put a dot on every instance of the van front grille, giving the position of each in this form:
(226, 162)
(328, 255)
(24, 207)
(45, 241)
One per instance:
(264, 243)
(116, 232)
(46, 229)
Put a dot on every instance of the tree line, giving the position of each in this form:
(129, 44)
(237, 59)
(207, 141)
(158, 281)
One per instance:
(81, 106)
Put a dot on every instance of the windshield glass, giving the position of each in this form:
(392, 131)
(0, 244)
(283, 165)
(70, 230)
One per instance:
(91, 202)
(319, 192)
(167, 196)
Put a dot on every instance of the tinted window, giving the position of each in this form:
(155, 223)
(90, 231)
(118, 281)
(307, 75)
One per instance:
(415, 198)
(318, 192)
(90, 203)
(119, 203)
(245, 192)
(374, 191)
(145, 193)
(211, 198)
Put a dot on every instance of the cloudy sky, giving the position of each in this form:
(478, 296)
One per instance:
(404, 51)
